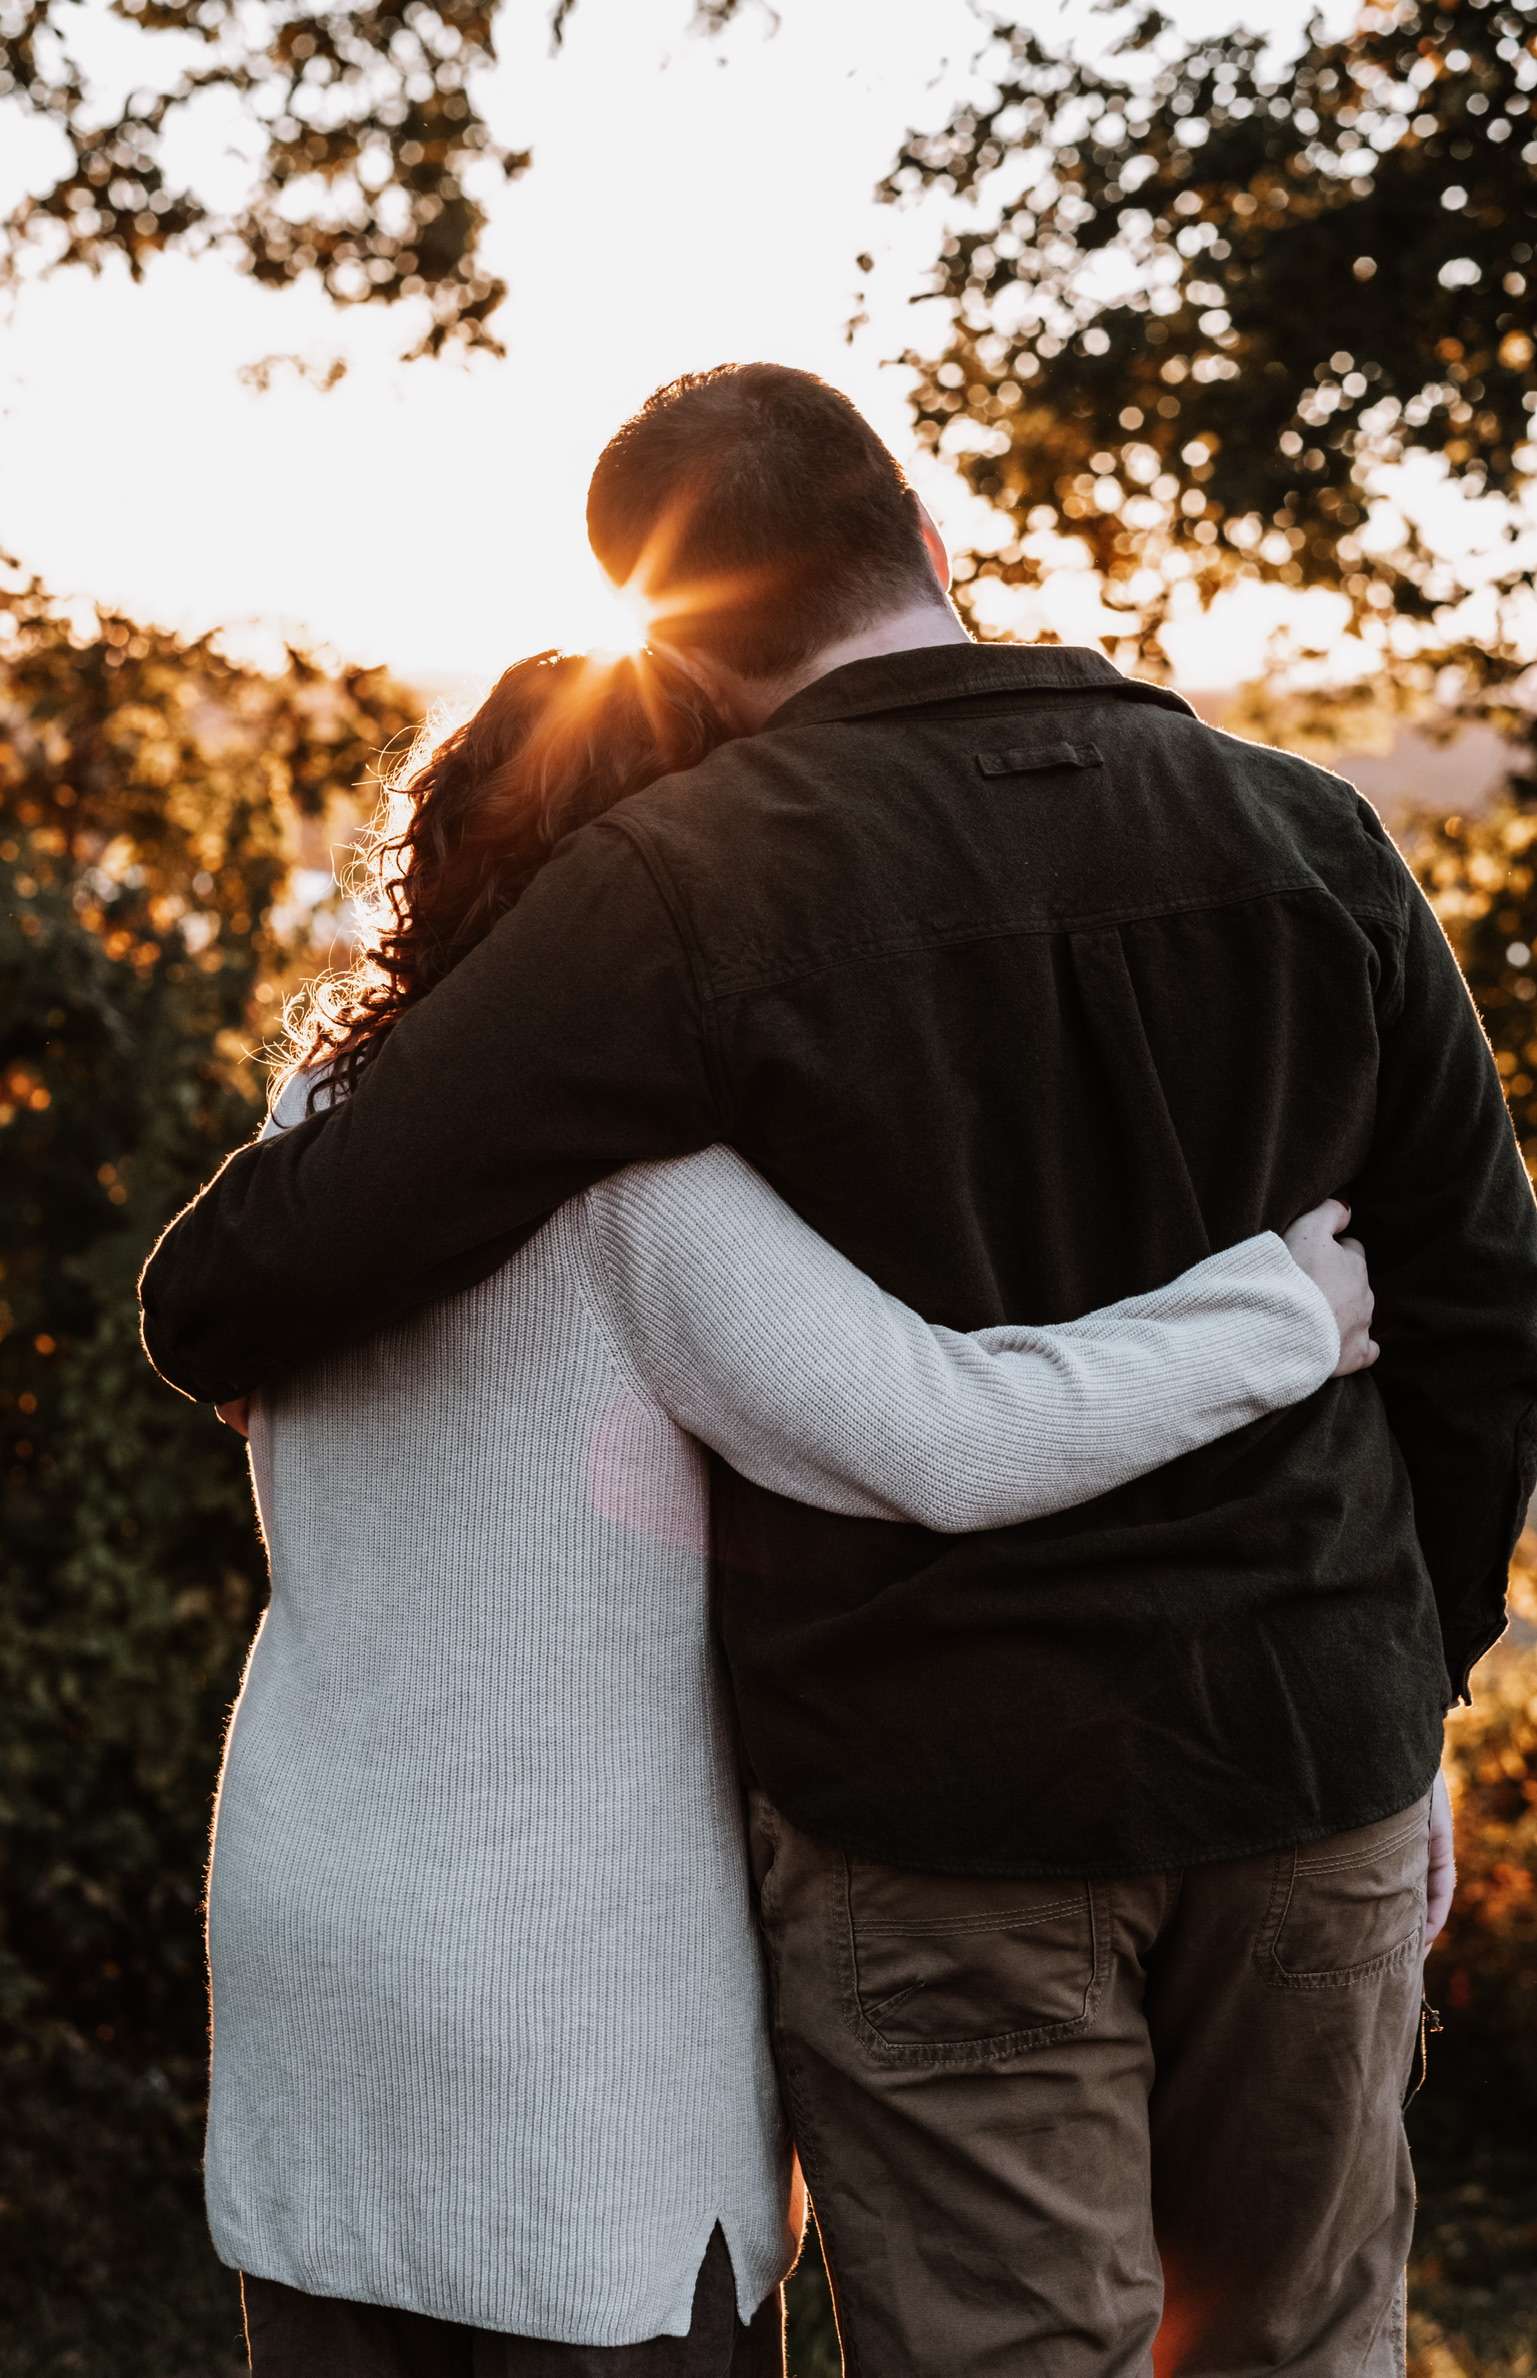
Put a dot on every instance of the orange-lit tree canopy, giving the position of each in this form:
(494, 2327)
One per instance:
(375, 165)
(1198, 301)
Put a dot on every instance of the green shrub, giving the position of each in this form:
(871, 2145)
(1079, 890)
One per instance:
(149, 795)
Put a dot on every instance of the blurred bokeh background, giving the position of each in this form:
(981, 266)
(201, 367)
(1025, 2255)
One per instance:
(1211, 345)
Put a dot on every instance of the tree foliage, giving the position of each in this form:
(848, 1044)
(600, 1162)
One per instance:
(1198, 302)
(372, 163)
(149, 789)
(372, 166)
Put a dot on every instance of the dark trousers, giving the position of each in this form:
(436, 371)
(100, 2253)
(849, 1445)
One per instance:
(293, 2335)
(1095, 2130)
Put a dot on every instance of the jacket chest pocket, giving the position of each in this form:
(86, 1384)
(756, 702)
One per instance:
(967, 1967)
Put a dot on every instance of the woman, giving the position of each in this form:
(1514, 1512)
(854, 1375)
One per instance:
(491, 2084)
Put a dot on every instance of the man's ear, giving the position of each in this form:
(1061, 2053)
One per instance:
(934, 545)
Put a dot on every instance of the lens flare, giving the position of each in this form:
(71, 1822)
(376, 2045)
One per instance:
(619, 621)
(663, 600)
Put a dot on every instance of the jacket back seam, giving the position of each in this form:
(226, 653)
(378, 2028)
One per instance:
(960, 937)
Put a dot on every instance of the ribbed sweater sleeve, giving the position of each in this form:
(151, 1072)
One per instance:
(765, 1342)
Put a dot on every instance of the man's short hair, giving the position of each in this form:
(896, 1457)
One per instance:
(760, 515)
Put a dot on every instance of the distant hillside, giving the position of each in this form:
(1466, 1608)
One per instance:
(1405, 773)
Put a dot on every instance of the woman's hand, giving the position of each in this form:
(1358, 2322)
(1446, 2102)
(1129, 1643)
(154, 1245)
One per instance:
(1337, 1266)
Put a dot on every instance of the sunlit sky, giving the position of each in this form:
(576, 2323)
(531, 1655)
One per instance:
(691, 200)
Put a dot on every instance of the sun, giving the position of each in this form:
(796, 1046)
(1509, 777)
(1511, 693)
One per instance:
(614, 619)
(611, 622)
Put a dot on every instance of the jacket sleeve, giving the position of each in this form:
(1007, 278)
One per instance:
(1445, 1210)
(762, 1340)
(568, 1042)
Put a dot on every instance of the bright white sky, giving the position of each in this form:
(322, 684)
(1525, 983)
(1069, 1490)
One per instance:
(690, 201)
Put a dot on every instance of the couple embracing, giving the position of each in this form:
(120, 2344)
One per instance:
(847, 1580)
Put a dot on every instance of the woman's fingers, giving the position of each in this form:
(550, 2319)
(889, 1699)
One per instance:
(1337, 1267)
(1357, 1339)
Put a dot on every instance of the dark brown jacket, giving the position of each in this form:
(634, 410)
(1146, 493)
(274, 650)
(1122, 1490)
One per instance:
(1027, 989)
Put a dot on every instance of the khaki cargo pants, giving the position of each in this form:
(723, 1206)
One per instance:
(1106, 2130)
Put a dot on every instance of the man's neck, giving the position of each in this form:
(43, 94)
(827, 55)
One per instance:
(922, 624)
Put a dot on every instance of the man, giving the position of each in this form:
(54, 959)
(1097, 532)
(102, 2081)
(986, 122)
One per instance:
(1093, 1852)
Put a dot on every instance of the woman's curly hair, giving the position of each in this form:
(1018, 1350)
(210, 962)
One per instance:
(557, 742)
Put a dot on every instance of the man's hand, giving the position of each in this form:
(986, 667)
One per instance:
(236, 1415)
(1337, 1266)
(1441, 1877)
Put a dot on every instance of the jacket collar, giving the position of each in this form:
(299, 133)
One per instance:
(952, 672)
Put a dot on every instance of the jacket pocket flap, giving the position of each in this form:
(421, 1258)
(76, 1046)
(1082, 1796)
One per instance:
(1027, 756)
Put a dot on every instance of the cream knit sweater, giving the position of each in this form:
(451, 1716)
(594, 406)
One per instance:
(488, 2024)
